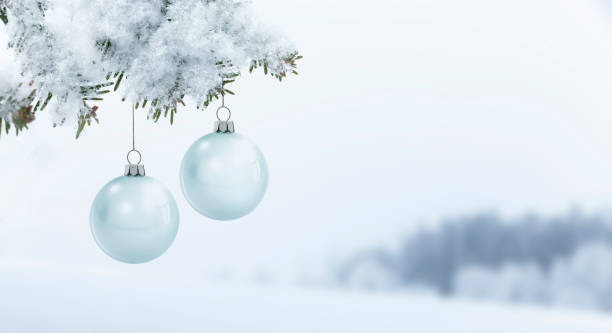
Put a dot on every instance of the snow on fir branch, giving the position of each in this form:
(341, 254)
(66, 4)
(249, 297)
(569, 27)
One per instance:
(16, 96)
(153, 52)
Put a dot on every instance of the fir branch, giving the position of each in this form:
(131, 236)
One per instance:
(3, 14)
(17, 112)
(290, 60)
(87, 114)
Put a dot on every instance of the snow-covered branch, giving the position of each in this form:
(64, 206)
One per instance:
(155, 52)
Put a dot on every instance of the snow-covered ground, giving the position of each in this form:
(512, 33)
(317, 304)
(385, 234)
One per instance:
(37, 301)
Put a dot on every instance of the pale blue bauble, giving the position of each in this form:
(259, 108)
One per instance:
(224, 176)
(134, 219)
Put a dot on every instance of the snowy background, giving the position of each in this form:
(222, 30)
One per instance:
(438, 166)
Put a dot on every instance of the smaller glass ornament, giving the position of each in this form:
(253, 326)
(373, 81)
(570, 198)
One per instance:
(134, 218)
(224, 175)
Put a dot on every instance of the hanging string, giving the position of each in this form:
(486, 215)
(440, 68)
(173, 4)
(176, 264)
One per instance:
(222, 96)
(134, 141)
(222, 107)
(133, 131)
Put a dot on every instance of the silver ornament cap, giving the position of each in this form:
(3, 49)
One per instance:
(224, 126)
(134, 170)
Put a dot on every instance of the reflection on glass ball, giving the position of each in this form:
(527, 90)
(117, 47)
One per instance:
(134, 219)
(224, 176)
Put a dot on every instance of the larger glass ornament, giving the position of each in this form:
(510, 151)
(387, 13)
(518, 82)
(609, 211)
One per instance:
(134, 218)
(223, 175)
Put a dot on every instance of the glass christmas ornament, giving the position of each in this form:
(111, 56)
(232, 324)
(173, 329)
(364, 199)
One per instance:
(134, 218)
(224, 175)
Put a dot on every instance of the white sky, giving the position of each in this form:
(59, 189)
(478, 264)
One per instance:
(404, 112)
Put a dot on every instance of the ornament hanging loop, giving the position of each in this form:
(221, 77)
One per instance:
(130, 154)
(229, 113)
